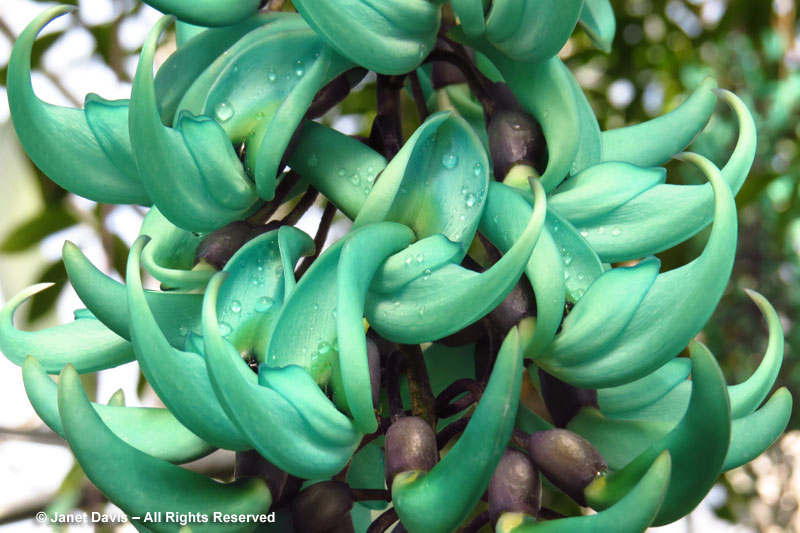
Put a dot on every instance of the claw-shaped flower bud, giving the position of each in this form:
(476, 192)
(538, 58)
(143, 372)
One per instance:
(321, 505)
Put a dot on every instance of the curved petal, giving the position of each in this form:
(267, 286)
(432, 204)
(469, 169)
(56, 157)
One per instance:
(59, 139)
(599, 23)
(179, 378)
(192, 164)
(435, 184)
(176, 313)
(667, 319)
(341, 167)
(706, 424)
(207, 12)
(653, 142)
(453, 296)
(753, 434)
(308, 438)
(86, 342)
(540, 28)
(169, 257)
(634, 512)
(617, 401)
(470, 16)
(362, 254)
(389, 37)
(668, 214)
(439, 500)
(151, 430)
(125, 475)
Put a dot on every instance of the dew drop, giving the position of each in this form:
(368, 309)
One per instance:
(422, 310)
(236, 306)
(462, 218)
(315, 306)
(584, 233)
(271, 75)
(334, 314)
(496, 218)
(477, 168)
(566, 274)
(342, 171)
(567, 258)
(366, 190)
(256, 280)
(224, 329)
(354, 179)
(259, 116)
(420, 258)
(403, 190)
(264, 304)
(578, 293)
(335, 342)
(464, 189)
(470, 200)
(183, 331)
(223, 111)
(581, 277)
(601, 230)
(313, 160)
(450, 160)
(370, 177)
(323, 347)
(409, 259)
(298, 69)
(617, 231)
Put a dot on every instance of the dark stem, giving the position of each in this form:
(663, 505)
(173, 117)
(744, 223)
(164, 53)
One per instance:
(477, 523)
(419, 98)
(268, 209)
(393, 367)
(302, 206)
(447, 434)
(444, 402)
(475, 79)
(383, 522)
(319, 239)
(387, 133)
(366, 495)
(423, 402)
(486, 345)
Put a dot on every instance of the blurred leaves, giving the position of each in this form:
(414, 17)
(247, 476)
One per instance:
(31, 232)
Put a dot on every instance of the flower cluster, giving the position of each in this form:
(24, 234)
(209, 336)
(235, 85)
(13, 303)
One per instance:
(495, 315)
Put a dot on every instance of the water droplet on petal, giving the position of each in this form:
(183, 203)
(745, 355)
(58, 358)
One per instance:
(264, 304)
(342, 171)
(584, 233)
(601, 230)
(315, 306)
(409, 259)
(223, 111)
(259, 116)
(236, 306)
(422, 310)
(334, 314)
(470, 200)
(271, 75)
(477, 168)
(183, 331)
(581, 277)
(420, 258)
(298, 69)
(567, 258)
(464, 189)
(224, 329)
(450, 160)
(566, 274)
(370, 177)
(323, 347)
(313, 160)
(616, 231)
(354, 179)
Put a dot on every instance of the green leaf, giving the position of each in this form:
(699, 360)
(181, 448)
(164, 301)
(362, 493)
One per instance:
(43, 301)
(33, 230)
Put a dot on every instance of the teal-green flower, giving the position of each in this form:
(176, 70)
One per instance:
(395, 364)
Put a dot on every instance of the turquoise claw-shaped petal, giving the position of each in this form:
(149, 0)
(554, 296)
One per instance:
(341, 167)
(185, 65)
(152, 430)
(452, 297)
(602, 313)
(706, 424)
(125, 475)
(528, 31)
(617, 401)
(581, 264)
(197, 156)
(653, 142)
(360, 258)
(631, 514)
(436, 184)
(169, 256)
(389, 37)
(673, 212)
(282, 412)
(62, 141)
(599, 23)
(86, 343)
(438, 501)
(264, 115)
(674, 309)
(207, 12)
(756, 432)
(470, 16)
(176, 313)
(179, 378)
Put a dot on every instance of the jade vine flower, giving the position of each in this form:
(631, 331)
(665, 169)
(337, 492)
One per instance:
(481, 271)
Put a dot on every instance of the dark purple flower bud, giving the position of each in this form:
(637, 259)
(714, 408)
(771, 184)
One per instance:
(515, 486)
(282, 485)
(563, 401)
(567, 460)
(410, 445)
(321, 505)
